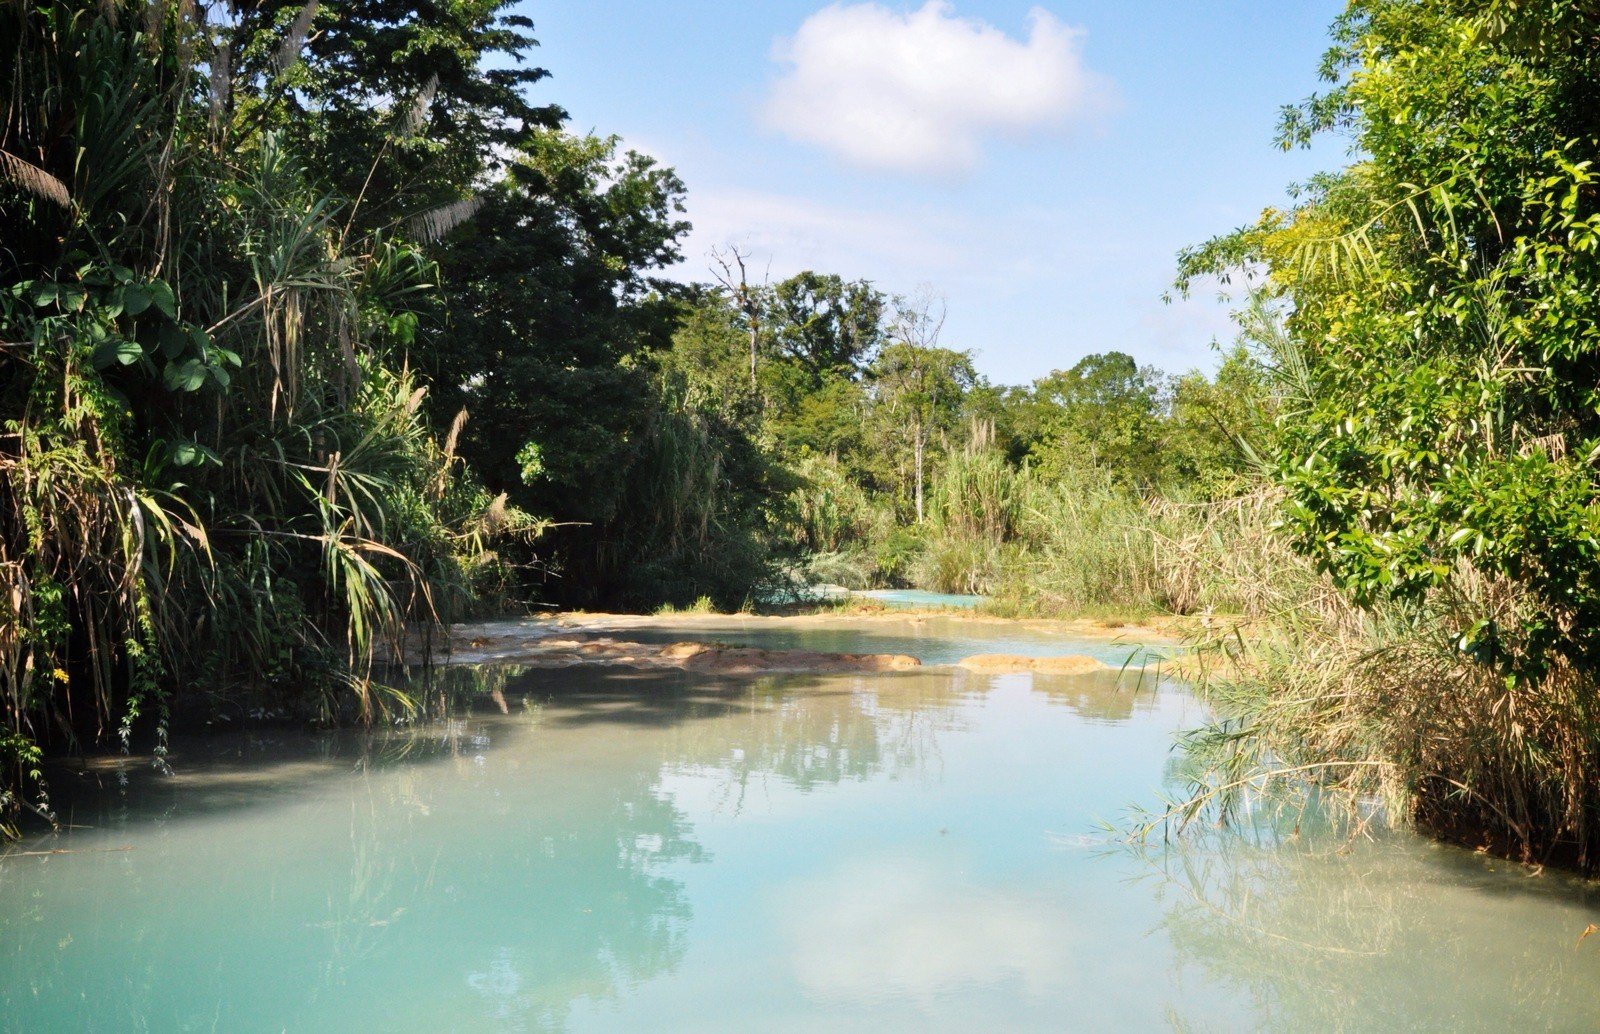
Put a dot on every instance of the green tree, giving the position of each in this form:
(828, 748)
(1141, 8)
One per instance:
(404, 108)
(1438, 447)
(824, 325)
(1446, 290)
(552, 310)
(918, 389)
(1103, 413)
(214, 468)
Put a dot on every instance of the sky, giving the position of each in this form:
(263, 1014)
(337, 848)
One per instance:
(1038, 166)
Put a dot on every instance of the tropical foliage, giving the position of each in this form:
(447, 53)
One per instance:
(318, 330)
(1437, 445)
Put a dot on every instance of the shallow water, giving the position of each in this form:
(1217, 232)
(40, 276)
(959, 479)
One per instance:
(920, 598)
(932, 640)
(625, 850)
(909, 599)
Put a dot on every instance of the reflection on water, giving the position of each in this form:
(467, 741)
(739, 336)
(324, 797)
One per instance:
(920, 598)
(613, 849)
(421, 878)
(1322, 934)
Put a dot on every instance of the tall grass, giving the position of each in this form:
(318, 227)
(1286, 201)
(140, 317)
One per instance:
(1371, 715)
(974, 509)
(693, 522)
(1040, 546)
(1380, 716)
(1086, 545)
(1082, 543)
(848, 537)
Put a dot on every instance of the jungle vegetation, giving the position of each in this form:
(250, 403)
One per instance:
(319, 329)
(1437, 435)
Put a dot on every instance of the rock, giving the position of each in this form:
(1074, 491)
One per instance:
(996, 662)
(1073, 664)
(749, 659)
(889, 662)
(578, 647)
(1004, 663)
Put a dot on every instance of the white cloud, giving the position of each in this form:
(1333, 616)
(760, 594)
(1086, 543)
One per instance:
(922, 91)
(901, 927)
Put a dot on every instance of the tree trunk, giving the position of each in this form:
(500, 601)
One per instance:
(918, 448)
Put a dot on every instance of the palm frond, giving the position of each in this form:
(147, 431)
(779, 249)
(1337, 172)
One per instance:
(435, 223)
(30, 179)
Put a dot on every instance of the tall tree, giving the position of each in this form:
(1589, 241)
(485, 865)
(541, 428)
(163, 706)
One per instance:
(919, 386)
(552, 304)
(1103, 413)
(403, 106)
(731, 268)
(825, 325)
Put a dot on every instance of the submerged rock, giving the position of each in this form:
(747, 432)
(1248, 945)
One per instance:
(552, 651)
(1005, 663)
(715, 657)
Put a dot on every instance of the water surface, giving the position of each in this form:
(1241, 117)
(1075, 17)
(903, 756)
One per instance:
(921, 598)
(934, 640)
(622, 850)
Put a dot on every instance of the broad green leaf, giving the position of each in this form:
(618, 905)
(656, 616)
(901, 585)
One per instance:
(135, 299)
(119, 350)
(161, 295)
(185, 375)
(174, 342)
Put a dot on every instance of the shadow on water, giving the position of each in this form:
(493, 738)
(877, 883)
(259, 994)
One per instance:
(391, 903)
(818, 717)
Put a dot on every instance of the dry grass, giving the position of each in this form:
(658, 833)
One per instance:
(1378, 716)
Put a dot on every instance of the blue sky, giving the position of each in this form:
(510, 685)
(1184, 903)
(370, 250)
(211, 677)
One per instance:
(1039, 165)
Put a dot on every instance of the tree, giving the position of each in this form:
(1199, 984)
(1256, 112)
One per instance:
(403, 106)
(215, 468)
(1438, 451)
(826, 326)
(1446, 296)
(1105, 413)
(552, 311)
(731, 271)
(919, 386)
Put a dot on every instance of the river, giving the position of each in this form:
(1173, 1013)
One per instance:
(632, 849)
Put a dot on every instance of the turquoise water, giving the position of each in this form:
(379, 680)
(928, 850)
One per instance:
(900, 598)
(629, 850)
(920, 598)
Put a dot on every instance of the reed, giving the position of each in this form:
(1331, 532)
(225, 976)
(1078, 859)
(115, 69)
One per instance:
(1380, 715)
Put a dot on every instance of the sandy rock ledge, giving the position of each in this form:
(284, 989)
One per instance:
(1006, 663)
